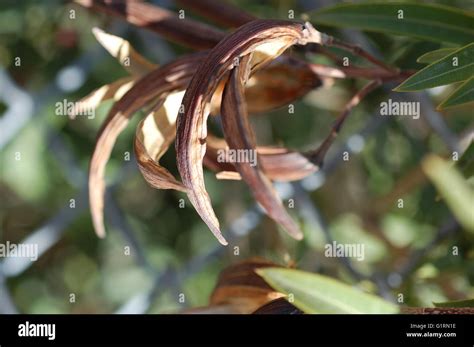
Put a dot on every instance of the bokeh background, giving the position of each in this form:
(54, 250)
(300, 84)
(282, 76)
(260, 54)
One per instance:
(408, 250)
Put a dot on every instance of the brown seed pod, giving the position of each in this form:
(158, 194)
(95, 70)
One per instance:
(278, 163)
(241, 290)
(153, 136)
(266, 39)
(240, 137)
(171, 77)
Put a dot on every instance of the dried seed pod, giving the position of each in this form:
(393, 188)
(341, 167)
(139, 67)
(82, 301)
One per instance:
(186, 32)
(114, 91)
(266, 39)
(240, 137)
(126, 55)
(280, 83)
(135, 64)
(239, 287)
(278, 163)
(156, 84)
(286, 80)
(171, 77)
(220, 12)
(153, 136)
(278, 306)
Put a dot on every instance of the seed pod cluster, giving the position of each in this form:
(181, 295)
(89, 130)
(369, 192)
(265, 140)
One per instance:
(248, 49)
(245, 73)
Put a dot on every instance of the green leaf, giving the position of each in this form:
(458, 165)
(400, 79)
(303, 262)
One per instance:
(462, 95)
(457, 66)
(314, 293)
(431, 22)
(460, 303)
(436, 55)
(452, 186)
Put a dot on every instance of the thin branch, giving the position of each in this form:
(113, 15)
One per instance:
(447, 229)
(359, 51)
(220, 12)
(313, 48)
(317, 156)
(116, 219)
(310, 212)
(359, 72)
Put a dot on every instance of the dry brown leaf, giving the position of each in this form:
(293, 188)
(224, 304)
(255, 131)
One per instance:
(266, 39)
(239, 135)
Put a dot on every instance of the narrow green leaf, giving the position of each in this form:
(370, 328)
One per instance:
(314, 293)
(431, 22)
(436, 55)
(462, 95)
(454, 189)
(457, 66)
(460, 303)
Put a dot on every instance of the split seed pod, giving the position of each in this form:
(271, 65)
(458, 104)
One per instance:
(278, 163)
(239, 136)
(163, 88)
(172, 77)
(266, 39)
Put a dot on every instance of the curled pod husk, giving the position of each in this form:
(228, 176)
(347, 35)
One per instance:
(134, 63)
(280, 83)
(153, 136)
(168, 78)
(241, 290)
(278, 163)
(266, 39)
(158, 130)
(240, 137)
